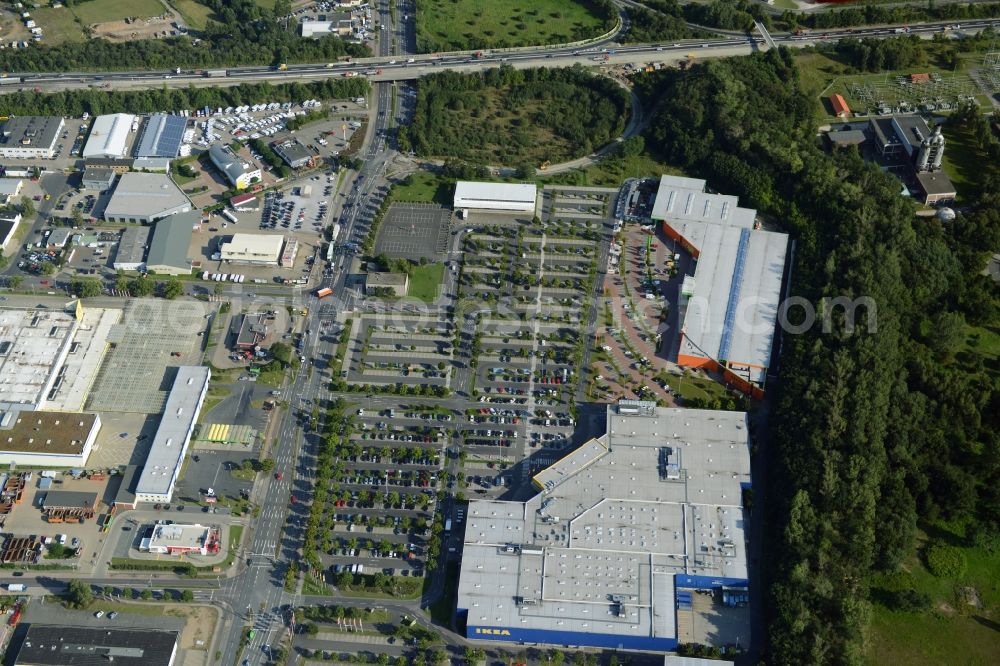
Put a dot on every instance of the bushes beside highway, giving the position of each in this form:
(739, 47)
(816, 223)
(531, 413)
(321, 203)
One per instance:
(74, 103)
(872, 14)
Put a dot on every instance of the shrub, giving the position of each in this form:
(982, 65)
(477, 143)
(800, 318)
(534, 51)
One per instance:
(944, 560)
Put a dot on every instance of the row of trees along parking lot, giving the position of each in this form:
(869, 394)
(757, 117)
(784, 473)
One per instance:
(74, 103)
(242, 33)
(875, 423)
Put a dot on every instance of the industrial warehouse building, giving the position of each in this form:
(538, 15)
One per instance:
(510, 197)
(237, 173)
(729, 305)
(48, 358)
(98, 179)
(635, 540)
(47, 439)
(70, 645)
(132, 249)
(109, 136)
(168, 252)
(162, 136)
(252, 249)
(30, 137)
(166, 454)
(145, 198)
(293, 153)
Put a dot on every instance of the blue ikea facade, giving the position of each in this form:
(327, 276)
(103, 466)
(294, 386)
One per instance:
(572, 638)
(598, 640)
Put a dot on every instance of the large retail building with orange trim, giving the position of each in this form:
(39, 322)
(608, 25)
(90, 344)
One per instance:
(730, 298)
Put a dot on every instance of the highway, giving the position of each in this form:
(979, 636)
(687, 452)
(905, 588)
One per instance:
(387, 67)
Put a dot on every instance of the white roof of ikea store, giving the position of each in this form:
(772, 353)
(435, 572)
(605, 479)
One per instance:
(625, 527)
(733, 309)
(166, 453)
(109, 135)
(495, 196)
(684, 199)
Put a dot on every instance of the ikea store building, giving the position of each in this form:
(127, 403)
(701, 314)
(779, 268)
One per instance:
(635, 540)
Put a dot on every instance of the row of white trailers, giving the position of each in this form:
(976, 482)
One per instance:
(228, 277)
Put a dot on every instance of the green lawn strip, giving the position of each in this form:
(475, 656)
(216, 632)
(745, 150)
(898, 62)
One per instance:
(315, 586)
(425, 281)
(423, 187)
(962, 160)
(195, 14)
(444, 607)
(984, 341)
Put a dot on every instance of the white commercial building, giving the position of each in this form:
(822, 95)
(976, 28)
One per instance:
(729, 305)
(238, 173)
(47, 439)
(30, 137)
(259, 249)
(511, 197)
(109, 136)
(48, 358)
(10, 188)
(624, 533)
(8, 225)
(166, 454)
(178, 539)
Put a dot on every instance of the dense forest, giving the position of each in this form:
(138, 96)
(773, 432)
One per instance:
(668, 19)
(885, 419)
(95, 102)
(872, 14)
(506, 116)
(244, 33)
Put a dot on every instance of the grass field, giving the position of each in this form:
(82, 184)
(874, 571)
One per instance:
(962, 160)
(195, 14)
(425, 281)
(455, 25)
(102, 11)
(61, 25)
(423, 187)
(952, 631)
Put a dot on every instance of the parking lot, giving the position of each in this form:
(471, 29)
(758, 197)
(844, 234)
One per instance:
(409, 351)
(414, 231)
(302, 208)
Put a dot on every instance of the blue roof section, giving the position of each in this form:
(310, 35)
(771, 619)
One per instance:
(162, 136)
(734, 295)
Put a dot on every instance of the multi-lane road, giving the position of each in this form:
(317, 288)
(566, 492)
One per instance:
(393, 67)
